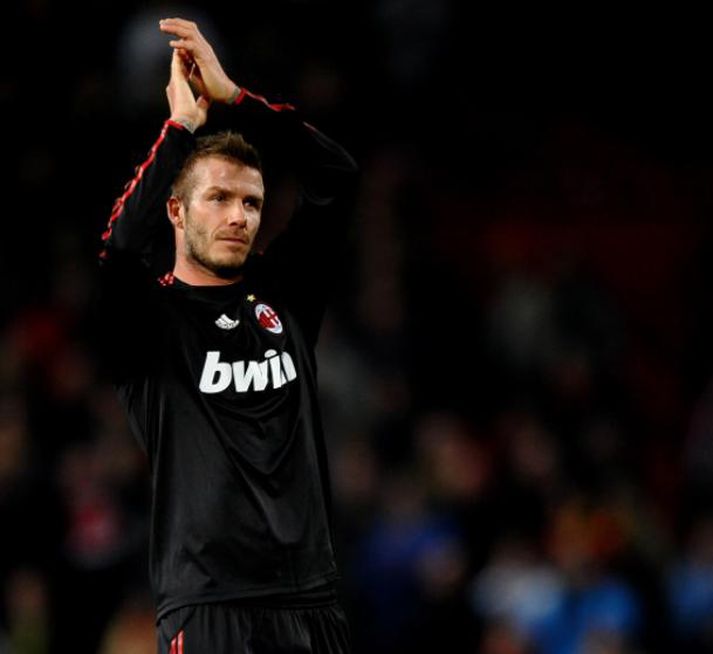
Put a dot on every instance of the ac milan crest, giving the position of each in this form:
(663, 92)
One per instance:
(268, 319)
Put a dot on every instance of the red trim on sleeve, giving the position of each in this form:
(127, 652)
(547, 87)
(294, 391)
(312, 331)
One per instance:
(131, 185)
(176, 124)
(270, 105)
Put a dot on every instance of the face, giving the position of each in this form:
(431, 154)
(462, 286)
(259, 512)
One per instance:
(216, 227)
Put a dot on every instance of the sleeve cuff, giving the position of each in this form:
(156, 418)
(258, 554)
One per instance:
(237, 95)
(273, 106)
(182, 125)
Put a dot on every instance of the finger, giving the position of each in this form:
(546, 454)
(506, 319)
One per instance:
(178, 69)
(189, 63)
(175, 20)
(175, 62)
(182, 43)
(177, 31)
(188, 32)
(184, 55)
(178, 26)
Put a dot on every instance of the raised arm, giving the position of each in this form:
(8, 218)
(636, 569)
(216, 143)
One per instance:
(139, 213)
(128, 271)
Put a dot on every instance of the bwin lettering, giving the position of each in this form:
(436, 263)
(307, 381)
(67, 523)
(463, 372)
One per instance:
(275, 370)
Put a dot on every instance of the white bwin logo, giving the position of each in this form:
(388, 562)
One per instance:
(217, 374)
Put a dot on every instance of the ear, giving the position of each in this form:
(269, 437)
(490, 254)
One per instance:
(175, 211)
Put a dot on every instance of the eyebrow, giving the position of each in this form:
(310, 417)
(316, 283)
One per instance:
(227, 189)
(258, 198)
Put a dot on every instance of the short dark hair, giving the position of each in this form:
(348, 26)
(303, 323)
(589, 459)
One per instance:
(228, 145)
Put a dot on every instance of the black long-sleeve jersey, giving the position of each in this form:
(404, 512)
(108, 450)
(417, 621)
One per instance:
(219, 382)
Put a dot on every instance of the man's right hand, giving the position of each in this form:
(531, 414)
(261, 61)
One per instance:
(185, 107)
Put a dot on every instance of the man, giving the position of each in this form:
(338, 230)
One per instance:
(214, 364)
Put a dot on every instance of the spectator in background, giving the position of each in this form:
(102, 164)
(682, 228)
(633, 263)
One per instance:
(29, 621)
(690, 589)
(573, 602)
(407, 568)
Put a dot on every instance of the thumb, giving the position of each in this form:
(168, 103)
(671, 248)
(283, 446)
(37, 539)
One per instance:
(203, 103)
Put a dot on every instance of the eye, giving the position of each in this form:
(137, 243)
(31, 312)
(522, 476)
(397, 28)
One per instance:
(218, 197)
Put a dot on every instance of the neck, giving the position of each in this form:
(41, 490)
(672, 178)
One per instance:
(194, 274)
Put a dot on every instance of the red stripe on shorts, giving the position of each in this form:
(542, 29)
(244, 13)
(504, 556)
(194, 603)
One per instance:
(177, 644)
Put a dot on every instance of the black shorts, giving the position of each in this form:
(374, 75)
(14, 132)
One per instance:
(236, 628)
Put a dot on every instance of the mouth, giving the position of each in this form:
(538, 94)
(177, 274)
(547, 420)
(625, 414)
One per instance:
(233, 239)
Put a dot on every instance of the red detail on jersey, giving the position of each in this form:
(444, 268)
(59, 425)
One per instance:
(131, 185)
(268, 318)
(176, 124)
(270, 105)
(167, 279)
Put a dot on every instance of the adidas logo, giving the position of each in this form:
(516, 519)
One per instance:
(226, 323)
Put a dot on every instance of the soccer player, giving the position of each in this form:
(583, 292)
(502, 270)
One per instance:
(214, 363)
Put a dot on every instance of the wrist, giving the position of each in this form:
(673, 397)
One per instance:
(185, 122)
(233, 95)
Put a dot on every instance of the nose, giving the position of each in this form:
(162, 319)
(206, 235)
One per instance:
(237, 215)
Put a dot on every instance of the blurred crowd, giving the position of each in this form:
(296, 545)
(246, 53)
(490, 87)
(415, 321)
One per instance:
(517, 374)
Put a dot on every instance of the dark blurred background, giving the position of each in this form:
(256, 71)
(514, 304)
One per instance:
(517, 376)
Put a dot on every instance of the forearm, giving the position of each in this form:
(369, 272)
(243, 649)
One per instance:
(140, 211)
(323, 166)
